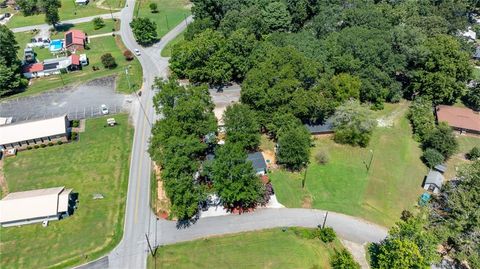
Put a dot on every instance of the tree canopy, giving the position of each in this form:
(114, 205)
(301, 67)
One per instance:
(145, 31)
(11, 79)
(241, 126)
(353, 124)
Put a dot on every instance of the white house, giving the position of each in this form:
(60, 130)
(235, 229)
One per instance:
(19, 208)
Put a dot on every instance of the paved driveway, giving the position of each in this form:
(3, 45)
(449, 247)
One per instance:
(78, 102)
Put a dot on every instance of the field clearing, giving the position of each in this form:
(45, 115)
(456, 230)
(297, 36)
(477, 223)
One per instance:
(272, 248)
(97, 163)
(392, 184)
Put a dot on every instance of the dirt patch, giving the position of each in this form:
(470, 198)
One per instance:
(80, 128)
(307, 202)
(162, 203)
(270, 158)
(3, 180)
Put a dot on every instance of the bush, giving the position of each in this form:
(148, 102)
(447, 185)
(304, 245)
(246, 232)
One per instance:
(50, 144)
(442, 139)
(432, 157)
(59, 142)
(36, 146)
(108, 61)
(75, 123)
(29, 148)
(321, 157)
(128, 55)
(43, 145)
(327, 234)
(153, 7)
(421, 117)
(353, 124)
(73, 136)
(145, 30)
(343, 260)
(98, 23)
(474, 153)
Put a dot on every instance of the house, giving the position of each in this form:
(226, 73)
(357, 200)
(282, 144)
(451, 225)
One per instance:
(258, 162)
(459, 118)
(75, 40)
(433, 181)
(31, 133)
(320, 129)
(81, 2)
(19, 208)
(33, 70)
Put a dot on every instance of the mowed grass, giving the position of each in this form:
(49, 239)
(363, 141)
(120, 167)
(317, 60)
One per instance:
(167, 51)
(465, 144)
(170, 13)
(392, 184)
(97, 163)
(98, 47)
(68, 11)
(88, 28)
(260, 249)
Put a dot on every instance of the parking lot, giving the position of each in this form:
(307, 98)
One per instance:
(78, 102)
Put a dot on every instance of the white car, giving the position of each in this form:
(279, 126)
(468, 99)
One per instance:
(137, 52)
(104, 109)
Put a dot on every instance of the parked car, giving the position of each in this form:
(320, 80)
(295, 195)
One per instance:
(137, 52)
(104, 109)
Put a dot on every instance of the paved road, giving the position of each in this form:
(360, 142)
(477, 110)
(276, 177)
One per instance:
(78, 102)
(72, 21)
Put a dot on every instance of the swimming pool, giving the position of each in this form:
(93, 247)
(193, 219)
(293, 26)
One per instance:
(56, 45)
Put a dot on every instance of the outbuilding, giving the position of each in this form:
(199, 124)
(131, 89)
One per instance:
(19, 208)
(320, 128)
(31, 133)
(434, 181)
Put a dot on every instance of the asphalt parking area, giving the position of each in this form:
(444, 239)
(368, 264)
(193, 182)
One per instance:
(77, 102)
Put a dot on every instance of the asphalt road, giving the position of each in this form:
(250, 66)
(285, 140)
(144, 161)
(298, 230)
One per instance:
(78, 102)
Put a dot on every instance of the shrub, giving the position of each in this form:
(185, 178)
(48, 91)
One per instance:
(50, 144)
(153, 7)
(353, 124)
(432, 157)
(98, 23)
(305, 233)
(29, 148)
(43, 145)
(327, 234)
(36, 146)
(75, 123)
(343, 260)
(421, 117)
(108, 61)
(474, 153)
(442, 139)
(128, 55)
(59, 142)
(321, 157)
(73, 136)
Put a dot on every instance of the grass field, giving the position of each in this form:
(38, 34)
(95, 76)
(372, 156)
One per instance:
(98, 47)
(171, 13)
(167, 51)
(88, 28)
(68, 11)
(392, 184)
(261, 249)
(465, 144)
(97, 163)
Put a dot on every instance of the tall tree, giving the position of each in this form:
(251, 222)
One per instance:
(51, 11)
(241, 126)
(11, 79)
(294, 148)
(277, 17)
(234, 178)
(145, 31)
(441, 139)
(353, 124)
(422, 118)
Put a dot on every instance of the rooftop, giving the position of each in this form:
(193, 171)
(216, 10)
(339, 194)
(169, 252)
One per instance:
(258, 161)
(459, 117)
(24, 131)
(434, 177)
(36, 67)
(74, 37)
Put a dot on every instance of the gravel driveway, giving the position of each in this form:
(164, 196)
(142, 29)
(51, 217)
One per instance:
(77, 102)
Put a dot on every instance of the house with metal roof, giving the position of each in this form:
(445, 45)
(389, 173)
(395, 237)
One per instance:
(19, 208)
(75, 40)
(459, 118)
(31, 133)
(325, 127)
(433, 181)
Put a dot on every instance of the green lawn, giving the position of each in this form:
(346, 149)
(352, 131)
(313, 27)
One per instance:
(68, 11)
(97, 163)
(343, 184)
(171, 13)
(465, 144)
(261, 249)
(98, 47)
(88, 28)
(167, 51)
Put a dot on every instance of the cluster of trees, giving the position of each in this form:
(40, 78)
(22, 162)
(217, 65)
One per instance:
(177, 144)
(438, 141)
(144, 30)
(11, 79)
(353, 124)
(49, 7)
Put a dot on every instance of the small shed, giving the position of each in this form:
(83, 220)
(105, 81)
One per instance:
(320, 128)
(258, 162)
(433, 181)
(442, 168)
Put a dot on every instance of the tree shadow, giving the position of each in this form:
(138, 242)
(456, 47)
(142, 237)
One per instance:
(183, 224)
(63, 27)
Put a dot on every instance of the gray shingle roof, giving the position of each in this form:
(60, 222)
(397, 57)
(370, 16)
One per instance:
(258, 161)
(435, 177)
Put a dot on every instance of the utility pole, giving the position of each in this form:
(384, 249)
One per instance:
(304, 175)
(370, 163)
(324, 219)
(128, 78)
(185, 16)
(166, 18)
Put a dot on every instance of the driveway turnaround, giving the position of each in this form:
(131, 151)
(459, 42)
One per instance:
(78, 102)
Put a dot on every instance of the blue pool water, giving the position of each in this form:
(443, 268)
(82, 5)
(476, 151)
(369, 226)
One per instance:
(56, 45)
